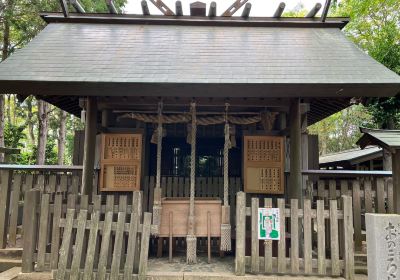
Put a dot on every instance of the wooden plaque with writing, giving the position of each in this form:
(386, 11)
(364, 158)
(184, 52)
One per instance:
(121, 161)
(264, 164)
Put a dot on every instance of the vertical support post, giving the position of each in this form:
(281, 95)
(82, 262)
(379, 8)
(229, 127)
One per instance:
(295, 179)
(29, 224)
(106, 118)
(396, 180)
(240, 233)
(144, 250)
(348, 238)
(5, 191)
(89, 146)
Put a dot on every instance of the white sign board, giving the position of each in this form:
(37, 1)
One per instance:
(268, 224)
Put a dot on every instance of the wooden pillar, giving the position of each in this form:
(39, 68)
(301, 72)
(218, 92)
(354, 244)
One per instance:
(396, 180)
(295, 190)
(89, 145)
(105, 118)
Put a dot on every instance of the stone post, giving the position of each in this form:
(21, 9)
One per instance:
(383, 245)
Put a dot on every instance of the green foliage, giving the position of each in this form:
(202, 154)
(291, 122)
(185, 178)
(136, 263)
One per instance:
(341, 130)
(375, 27)
(21, 127)
(13, 135)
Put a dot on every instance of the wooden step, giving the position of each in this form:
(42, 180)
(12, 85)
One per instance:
(10, 274)
(6, 264)
(11, 253)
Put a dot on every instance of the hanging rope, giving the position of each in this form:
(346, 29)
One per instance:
(157, 208)
(225, 219)
(191, 241)
(184, 118)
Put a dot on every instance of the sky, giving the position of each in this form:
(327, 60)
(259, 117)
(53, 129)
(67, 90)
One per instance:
(260, 8)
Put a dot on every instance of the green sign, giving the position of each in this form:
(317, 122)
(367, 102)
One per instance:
(268, 224)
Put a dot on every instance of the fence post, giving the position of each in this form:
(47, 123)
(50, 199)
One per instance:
(240, 234)
(348, 237)
(29, 224)
(5, 190)
(144, 250)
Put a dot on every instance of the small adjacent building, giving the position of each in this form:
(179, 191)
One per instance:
(369, 158)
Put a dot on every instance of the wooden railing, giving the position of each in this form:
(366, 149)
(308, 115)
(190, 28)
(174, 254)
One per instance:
(54, 225)
(371, 191)
(16, 180)
(295, 248)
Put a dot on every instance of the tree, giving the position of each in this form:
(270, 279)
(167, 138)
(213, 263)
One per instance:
(375, 27)
(341, 130)
(43, 111)
(19, 23)
(61, 136)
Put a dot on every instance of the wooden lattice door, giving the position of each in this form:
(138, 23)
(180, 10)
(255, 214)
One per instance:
(263, 162)
(121, 161)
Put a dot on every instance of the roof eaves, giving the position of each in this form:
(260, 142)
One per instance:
(195, 21)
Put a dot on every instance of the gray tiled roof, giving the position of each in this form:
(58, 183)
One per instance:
(389, 139)
(350, 155)
(66, 52)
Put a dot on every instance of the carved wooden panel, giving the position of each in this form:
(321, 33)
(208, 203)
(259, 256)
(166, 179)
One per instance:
(264, 164)
(121, 156)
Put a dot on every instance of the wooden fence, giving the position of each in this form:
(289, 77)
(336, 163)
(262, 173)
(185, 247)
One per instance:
(370, 195)
(50, 219)
(15, 183)
(298, 252)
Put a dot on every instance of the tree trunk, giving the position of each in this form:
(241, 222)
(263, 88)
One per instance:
(4, 55)
(61, 137)
(43, 130)
(30, 120)
(1, 125)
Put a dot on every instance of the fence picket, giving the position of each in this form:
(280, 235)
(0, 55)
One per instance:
(380, 196)
(334, 237)
(144, 250)
(14, 207)
(321, 237)
(240, 233)
(66, 244)
(307, 237)
(117, 254)
(368, 196)
(92, 244)
(282, 241)
(5, 186)
(80, 234)
(294, 235)
(105, 244)
(255, 262)
(268, 244)
(357, 213)
(43, 222)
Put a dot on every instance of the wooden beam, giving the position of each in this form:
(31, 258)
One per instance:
(111, 6)
(89, 146)
(145, 8)
(212, 12)
(198, 9)
(246, 10)
(295, 178)
(77, 6)
(396, 180)
(140, 102)
(314, 11)
(326, 10)
(178, 8)
(234, 8)
(64, 8)
(162, 7)
(279, 11)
